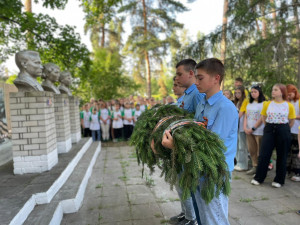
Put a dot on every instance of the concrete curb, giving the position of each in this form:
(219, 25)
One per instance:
(46, 197)
(74, 204)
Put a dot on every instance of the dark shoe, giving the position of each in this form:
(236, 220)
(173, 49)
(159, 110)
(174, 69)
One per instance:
(177, 219)
(188, 222)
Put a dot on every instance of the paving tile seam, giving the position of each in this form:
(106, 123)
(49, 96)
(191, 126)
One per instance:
(128, 200)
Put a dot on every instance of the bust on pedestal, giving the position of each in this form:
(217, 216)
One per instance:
(51, 73)
(30, 66)
(65, 81)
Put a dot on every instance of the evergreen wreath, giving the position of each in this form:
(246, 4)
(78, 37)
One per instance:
(144, 127)
(198, 153)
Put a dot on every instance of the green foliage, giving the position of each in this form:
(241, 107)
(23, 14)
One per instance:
(55, 43)
(263, 56)
(153, 27)
(11, 79)
(198, 152)
(144, 127)
(104, 78)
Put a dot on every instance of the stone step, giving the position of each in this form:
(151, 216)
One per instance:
(69, 198)
(21, 193)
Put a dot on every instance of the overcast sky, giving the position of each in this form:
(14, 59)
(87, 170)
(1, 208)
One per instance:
(203, 16)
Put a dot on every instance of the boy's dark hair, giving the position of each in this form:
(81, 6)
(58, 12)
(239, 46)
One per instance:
(188, 64)
(261, 96)
(212, 66)
(239, 79)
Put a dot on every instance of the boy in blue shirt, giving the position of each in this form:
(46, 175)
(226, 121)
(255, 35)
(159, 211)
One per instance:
(222, 119)
(185, 78)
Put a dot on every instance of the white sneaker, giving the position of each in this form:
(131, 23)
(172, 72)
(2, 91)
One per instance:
(237, 168)
(295, 177)
(275, 184)
(255, 182)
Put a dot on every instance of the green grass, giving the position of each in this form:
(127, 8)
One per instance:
(99, 186)
(133, 155)
(158, 215)
(173, 199)
(237, 178)
(287, 211)
(149, 181)
(264, 198)
(162, 200)
(246, 200)
(124, 164)
(164, 221)
(124, 178)
(99, 217)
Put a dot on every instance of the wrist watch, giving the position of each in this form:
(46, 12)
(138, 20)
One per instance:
(253, 128)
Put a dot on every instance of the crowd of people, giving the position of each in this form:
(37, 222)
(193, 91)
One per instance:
(266, 125)
(114, 119)
(249, 125)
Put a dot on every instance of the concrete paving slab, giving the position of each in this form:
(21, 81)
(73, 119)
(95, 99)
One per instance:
(145, 211)
(108, 215)
(126, 199)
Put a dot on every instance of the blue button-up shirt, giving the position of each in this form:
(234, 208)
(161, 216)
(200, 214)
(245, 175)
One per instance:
(223, 120)
(191, 98)
(179, 101)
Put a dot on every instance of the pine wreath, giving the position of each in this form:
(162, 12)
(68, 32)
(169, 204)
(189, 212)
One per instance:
(144, 127)
(198, 152)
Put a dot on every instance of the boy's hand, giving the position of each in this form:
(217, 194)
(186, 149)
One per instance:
(152, 147)
(167, 140)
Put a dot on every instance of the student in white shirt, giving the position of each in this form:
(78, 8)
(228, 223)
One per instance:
(117, 122)
(104, 121)
(278, 116)
(128, 118)
(143, 105)
(137, 112)
(253, 125)
(85, 121)
(95, 125)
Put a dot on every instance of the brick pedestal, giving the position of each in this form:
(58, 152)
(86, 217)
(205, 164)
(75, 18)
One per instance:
(62, 123)
(33, 132)
(74, 119)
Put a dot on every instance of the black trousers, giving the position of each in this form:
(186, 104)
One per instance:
(86, 132)
(128, 131)
(275, 136)
(118, 132)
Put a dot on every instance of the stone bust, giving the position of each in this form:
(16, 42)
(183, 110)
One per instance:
(65, 81)
(30, 66)
(51, 74)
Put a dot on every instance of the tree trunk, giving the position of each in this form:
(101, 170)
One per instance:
(223, 40)
(264, 22)
(102, 27)
(103, 35)
(273, 6)
(254, 10)
(148, 71)
(28, 7)
(296, 19)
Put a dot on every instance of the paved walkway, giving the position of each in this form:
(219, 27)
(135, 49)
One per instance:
(116, 194)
